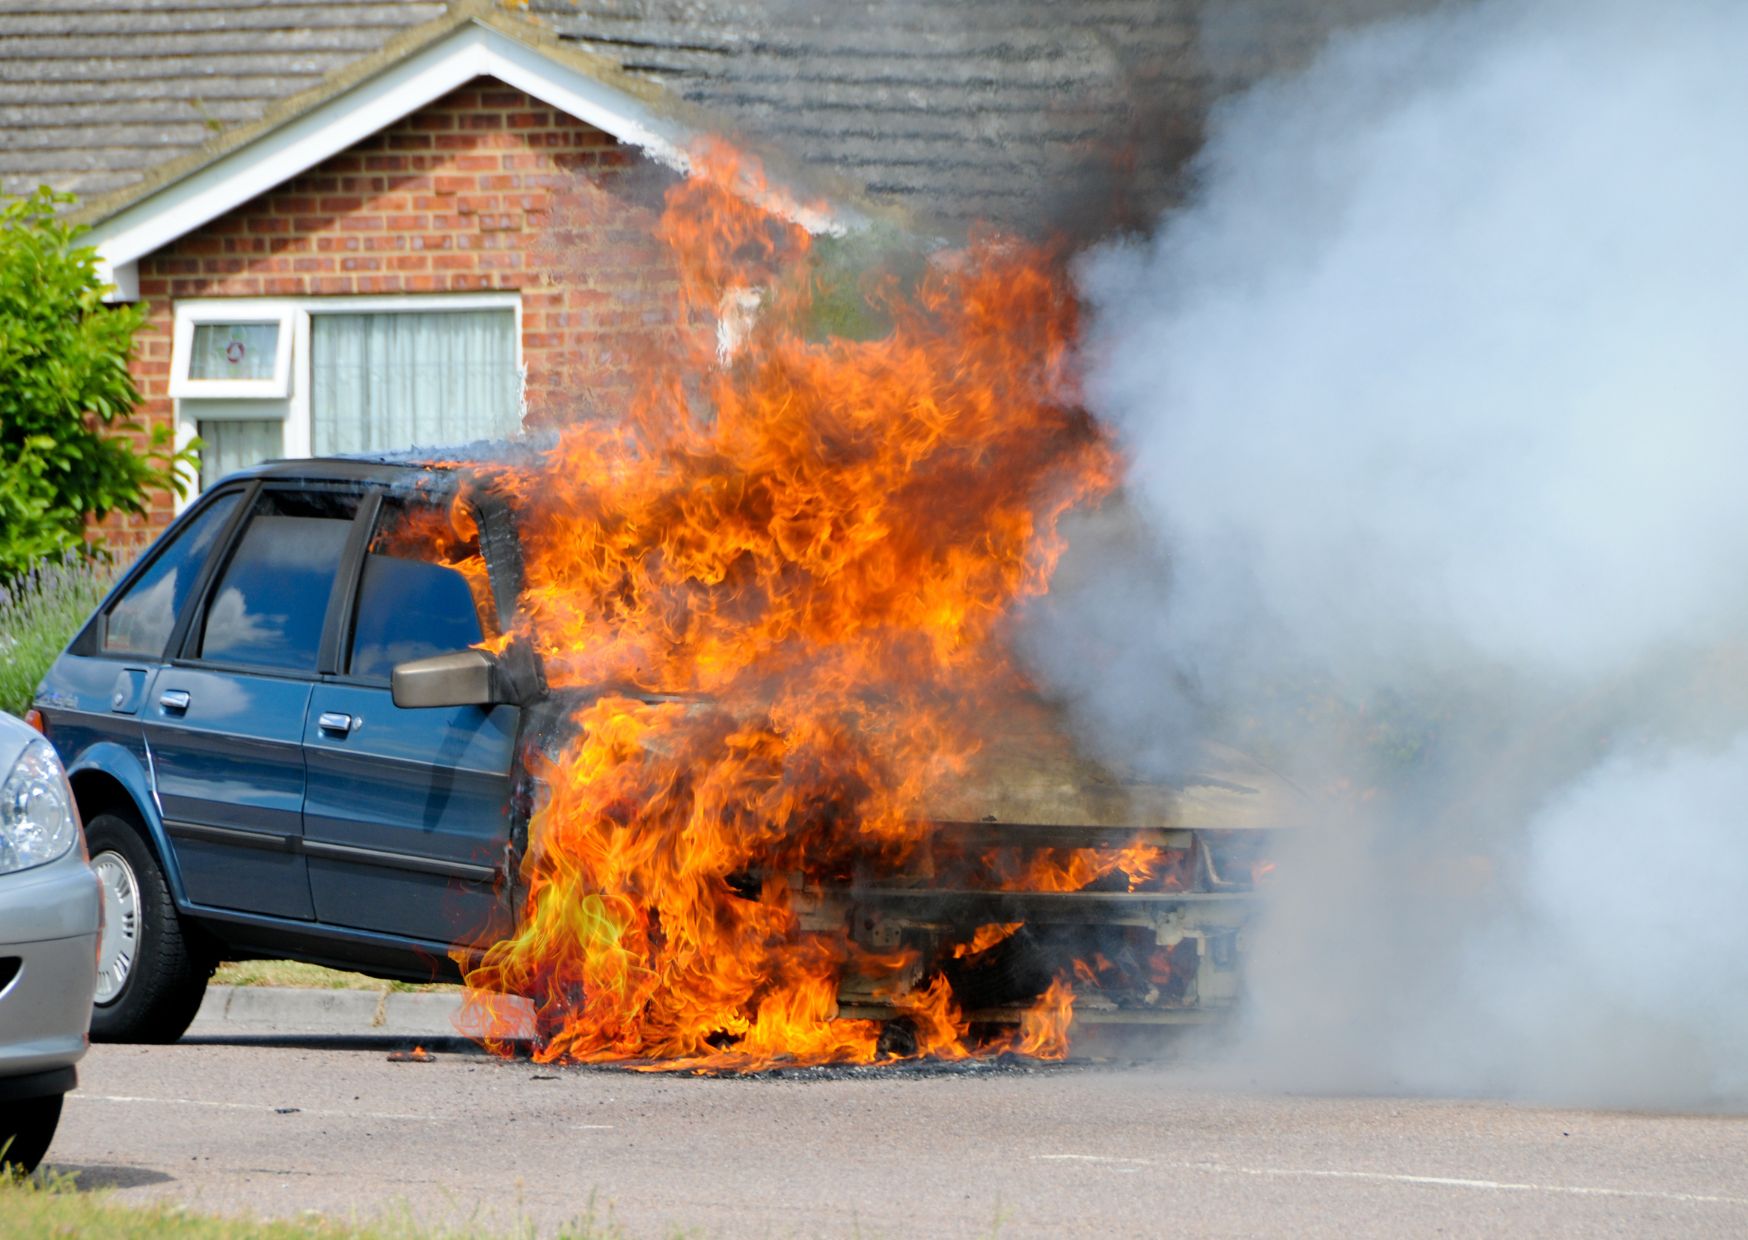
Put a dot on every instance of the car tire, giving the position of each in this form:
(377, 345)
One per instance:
(163, 976)
(26, 1128)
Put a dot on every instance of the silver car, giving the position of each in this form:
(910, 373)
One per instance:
(50, 921)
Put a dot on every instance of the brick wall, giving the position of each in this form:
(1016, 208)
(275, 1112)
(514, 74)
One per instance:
(485, 189)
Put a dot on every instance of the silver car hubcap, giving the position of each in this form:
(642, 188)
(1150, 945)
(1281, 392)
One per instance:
(120, 945)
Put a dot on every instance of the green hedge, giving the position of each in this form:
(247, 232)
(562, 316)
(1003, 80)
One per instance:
(67, 438)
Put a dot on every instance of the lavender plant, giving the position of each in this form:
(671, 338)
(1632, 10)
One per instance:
(40, 611)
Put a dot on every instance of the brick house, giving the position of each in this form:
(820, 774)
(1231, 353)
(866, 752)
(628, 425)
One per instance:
(360, 225)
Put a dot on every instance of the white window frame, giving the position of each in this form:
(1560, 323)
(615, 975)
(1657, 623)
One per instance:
(292, 404)
(190, 315)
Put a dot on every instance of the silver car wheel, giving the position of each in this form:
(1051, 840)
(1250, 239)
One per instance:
(120, 946)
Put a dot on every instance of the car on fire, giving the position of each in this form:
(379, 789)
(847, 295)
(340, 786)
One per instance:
(295, 730)
(49, 923)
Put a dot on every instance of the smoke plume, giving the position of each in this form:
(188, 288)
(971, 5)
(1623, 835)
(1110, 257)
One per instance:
(1436, 398)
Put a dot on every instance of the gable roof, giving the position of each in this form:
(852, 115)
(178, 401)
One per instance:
(358, 100)
(951, 110)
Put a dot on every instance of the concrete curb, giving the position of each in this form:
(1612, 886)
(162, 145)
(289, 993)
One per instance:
(291, 1010)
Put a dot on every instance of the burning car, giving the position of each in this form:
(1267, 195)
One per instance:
(315, 722)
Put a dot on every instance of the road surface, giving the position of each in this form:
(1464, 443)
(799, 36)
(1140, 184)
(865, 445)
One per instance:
(289, 1125)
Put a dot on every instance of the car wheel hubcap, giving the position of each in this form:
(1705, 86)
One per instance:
(120, 946)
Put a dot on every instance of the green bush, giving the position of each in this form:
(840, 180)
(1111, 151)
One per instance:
(40, 610)
(855, 277)
(65, 392)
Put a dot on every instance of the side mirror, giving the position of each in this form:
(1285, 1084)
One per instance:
(465, 678)
(472, 678)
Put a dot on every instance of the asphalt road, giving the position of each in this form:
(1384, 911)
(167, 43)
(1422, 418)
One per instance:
(287, 1126)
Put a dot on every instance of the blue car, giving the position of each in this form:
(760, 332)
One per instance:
(288, 738)
(253, 781)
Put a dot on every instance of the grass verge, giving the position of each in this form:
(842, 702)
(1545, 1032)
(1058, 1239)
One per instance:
(51, 1206)
(301, 976)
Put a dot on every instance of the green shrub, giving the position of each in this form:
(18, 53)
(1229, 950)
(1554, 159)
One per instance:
(65, 392)
(40, 610)
(855, 278)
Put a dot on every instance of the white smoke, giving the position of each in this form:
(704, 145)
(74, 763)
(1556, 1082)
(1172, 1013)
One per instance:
(1436, 394)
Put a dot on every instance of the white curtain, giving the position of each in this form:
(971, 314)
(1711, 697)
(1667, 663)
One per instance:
(233, 444)
(383, 382)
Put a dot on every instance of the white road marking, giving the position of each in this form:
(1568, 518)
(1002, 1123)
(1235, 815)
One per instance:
(267, 1106)
(1389, 1177)
(271, 1108)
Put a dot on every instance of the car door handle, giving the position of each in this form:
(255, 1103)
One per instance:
(174, 699)
(334, 721)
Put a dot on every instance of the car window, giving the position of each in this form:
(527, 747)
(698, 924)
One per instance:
(269, 604)
(422, 592)
(141, 620)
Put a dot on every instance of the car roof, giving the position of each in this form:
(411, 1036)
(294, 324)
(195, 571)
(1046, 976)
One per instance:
(403, 465)
(386, 468)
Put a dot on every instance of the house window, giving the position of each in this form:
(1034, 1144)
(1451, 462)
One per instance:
(233, 351)
(257, 380)
(227, 352)
(384, 381)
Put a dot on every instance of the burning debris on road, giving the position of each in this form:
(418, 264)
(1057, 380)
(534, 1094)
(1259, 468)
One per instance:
(801, 807)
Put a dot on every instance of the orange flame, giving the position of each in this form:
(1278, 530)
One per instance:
(985, 938)
(1044, 1028)
(780, 584)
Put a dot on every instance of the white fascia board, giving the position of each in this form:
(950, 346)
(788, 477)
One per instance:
(516, 64)
(584, 98)
(124, 279)
(472, 51)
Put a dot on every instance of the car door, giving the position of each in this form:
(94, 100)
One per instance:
(407, 818)
(224, 722)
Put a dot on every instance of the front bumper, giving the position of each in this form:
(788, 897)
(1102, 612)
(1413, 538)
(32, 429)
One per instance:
(49, 922)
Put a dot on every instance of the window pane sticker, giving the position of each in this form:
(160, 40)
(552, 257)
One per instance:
(233, 351)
